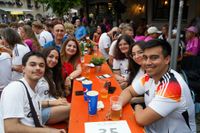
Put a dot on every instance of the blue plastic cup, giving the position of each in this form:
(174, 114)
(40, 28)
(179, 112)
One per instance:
(87, 84)
(85, 90)
(92, 97)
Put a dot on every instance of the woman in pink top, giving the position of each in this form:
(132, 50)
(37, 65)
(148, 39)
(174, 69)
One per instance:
(193, 42)
(29, 37)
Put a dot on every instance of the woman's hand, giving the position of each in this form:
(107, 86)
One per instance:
(59, 101)
(67, 82)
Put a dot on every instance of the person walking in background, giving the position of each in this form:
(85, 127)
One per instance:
(169, 105)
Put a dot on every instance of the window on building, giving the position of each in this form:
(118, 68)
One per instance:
(161, 9)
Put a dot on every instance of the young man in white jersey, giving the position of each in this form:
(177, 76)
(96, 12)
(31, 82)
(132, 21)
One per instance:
(169, 105)
(15, 108)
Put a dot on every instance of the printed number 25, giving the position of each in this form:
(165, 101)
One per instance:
(112, 130)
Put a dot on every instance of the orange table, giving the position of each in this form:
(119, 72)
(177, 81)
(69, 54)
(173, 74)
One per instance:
(79, 108)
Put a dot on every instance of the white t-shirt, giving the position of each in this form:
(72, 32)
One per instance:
(45, 37)
(104, 43)
(15, 103)
(112, 48)
(43, 90)
(171, 98)
(139, 74)
(5, 70)
(18, 52)
(121, 65)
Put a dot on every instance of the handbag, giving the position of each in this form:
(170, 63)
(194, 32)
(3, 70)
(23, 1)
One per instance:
(33, 112)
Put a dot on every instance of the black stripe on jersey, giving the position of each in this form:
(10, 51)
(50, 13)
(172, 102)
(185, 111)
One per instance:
(186, 118)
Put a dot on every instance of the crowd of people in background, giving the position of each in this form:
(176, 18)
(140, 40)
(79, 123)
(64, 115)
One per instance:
(124, 47)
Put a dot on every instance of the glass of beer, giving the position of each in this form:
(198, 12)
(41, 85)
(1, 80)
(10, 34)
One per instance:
(116, 108)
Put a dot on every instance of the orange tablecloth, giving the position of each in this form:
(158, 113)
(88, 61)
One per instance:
(79, 108)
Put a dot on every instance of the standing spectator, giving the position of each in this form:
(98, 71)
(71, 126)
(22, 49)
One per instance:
(153, 33)
(169, 105)
(12, 39)
(71, 64)
(42, 35)
(140, 34)
(80, 31)
(29, 38)
(164, 34)
(58, 32)
(105, 42)
(74, 18)
(17, 115)
(193, 42)
(51, 89)
(97, 35)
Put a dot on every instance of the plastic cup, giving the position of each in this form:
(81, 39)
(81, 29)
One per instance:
(116, 108)
(87, 84)
(104, 93)
(85, 94)
(92, 97)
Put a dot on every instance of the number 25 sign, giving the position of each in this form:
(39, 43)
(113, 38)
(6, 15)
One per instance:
(107, 127)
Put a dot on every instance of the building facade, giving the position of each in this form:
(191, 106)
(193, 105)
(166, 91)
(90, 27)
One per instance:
(15, 10)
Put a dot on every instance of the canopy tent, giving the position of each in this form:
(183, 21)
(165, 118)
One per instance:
(15, 11)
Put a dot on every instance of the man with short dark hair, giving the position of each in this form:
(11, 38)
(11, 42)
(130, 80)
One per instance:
(169, 105)
(17, 115)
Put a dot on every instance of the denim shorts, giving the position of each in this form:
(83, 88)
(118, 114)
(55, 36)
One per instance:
(45, 115)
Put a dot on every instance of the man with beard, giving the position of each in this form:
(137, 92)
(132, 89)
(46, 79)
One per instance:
(169, 105)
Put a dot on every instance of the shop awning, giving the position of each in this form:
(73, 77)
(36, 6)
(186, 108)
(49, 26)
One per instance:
(15, 11)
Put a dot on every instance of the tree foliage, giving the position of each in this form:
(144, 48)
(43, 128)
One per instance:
(60, 7)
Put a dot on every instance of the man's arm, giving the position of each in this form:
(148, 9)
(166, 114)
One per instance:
(13, 125)
(145, 116)
(127, 94)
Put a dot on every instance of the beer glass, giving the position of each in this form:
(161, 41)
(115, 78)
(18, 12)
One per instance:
(116, 108)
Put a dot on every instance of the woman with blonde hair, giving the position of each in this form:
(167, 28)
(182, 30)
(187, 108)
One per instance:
(69, 29)
(71, 64)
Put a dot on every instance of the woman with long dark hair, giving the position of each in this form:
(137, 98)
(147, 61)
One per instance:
(55, 107)
(120, 62)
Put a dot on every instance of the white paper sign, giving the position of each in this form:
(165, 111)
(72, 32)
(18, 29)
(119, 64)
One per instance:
(107, 127)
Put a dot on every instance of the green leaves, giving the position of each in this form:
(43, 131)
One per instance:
(60, 7)
(97, 61)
